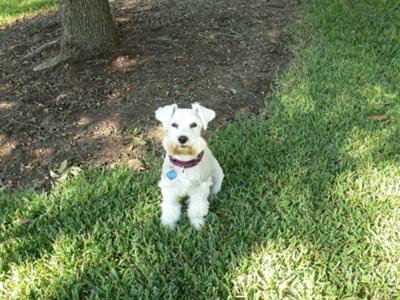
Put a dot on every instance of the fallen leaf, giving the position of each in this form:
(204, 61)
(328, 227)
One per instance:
(53, 174)
(63, 177)
(180, 58)
(379, 118)
(274, 33)
(135, 164)
(299, 21)
(244, 109)
(233, 91)
(75, 171)
(63, 166)
(156, 133)
(35, 154)
(244, 82)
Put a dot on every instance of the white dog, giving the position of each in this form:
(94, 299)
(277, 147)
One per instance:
(189, 168)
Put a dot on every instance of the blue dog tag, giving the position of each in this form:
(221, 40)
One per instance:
(171, 174)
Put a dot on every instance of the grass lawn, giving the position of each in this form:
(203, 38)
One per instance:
(310, 208)
(10, 10)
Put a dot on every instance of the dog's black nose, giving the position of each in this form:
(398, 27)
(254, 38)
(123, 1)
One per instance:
(183, 139)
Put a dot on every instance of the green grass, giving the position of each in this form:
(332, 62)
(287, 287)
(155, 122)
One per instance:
(310, 207)
(10, 10)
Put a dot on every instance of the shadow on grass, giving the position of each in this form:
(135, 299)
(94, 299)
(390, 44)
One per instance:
(285, 188)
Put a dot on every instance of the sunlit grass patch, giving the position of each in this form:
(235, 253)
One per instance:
(10, 10)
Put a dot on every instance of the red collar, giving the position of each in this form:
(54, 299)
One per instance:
(187, 163)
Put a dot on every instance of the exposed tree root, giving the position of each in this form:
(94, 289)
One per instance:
(52, 62)
(45, 46)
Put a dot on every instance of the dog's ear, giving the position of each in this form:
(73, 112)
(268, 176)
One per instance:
(206, 115)
(164, 114)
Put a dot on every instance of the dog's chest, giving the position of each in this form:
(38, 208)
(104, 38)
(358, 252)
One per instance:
(185, 180)
(184, 177)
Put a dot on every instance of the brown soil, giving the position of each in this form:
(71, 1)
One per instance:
(98, 112)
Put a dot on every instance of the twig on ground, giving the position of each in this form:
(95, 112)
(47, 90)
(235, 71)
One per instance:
(26, 124)
(45, 46)
(52, 62)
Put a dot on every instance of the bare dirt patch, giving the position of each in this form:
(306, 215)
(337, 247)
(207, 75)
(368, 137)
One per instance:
(99, 112)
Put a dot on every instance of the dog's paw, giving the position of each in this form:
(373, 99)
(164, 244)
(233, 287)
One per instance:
(197, 222)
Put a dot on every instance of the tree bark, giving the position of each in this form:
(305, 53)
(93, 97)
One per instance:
(88, 27)
(87, 30)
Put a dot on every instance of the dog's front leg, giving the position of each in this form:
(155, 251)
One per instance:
(198, 205)
(171, 208)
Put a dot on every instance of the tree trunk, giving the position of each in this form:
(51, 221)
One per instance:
(88, 30)
(88, 27)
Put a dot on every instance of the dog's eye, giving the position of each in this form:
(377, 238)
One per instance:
(174, 125)
(193, 125)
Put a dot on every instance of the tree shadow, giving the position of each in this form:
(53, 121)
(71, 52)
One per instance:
(170, 51)
(285, 197)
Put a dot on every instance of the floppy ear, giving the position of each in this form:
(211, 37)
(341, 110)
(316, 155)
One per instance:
(206, 115)
(164, 114)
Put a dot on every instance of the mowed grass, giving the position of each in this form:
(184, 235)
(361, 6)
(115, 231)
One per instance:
(10, 10)
(310, 208)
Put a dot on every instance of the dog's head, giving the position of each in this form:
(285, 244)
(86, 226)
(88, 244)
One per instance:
(183, 127)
